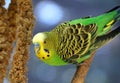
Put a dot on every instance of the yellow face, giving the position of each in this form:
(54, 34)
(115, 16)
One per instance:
(39, 46)
(45, 49)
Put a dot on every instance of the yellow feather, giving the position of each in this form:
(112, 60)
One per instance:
(108, 25)
(111, 22)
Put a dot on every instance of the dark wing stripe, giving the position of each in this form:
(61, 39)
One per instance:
(91, 29)
(75, 41)
(86, 43)
(101, 40)
(74, 56)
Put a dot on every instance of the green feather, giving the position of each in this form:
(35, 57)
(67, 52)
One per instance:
(101, 20)
(78, 37)
(73, 41)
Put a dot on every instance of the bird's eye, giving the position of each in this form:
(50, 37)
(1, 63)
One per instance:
(44, 42)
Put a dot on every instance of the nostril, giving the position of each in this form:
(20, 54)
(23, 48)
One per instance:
(46, 50)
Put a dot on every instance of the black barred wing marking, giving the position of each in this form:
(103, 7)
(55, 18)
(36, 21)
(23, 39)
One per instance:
(75, 41)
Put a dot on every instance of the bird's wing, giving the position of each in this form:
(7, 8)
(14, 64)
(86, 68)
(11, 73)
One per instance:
(75, 41)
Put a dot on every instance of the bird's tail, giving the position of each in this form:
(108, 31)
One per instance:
(116, 9)
(101, 40)
(106, 20)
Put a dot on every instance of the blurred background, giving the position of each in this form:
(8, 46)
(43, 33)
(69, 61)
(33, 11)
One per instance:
(105, 67)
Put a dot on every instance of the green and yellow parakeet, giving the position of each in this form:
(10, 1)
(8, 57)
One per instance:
(73, 41)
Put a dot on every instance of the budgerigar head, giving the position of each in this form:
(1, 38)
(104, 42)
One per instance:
(41, 50)
(45, 46)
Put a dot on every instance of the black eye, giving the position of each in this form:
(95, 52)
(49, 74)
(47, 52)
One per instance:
(46, 50)
(44, 42)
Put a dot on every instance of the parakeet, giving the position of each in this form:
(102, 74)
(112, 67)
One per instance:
(73, 41)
